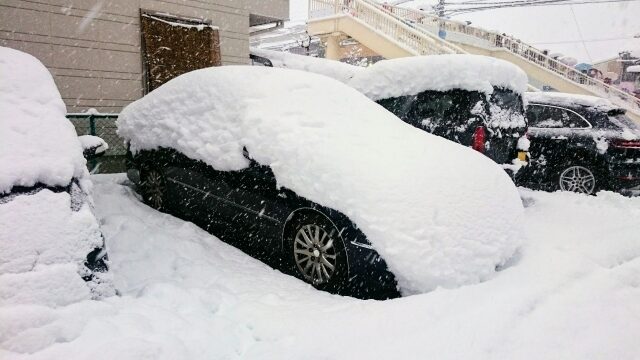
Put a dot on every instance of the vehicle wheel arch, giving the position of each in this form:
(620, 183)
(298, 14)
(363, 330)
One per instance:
(301, 211)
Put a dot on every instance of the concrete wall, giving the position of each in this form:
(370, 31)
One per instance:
(92, 47)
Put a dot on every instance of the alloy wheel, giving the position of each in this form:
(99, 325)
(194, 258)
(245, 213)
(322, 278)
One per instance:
(155, 189)
(577, 179)
(314, 253)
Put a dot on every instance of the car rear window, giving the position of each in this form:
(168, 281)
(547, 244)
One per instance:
(622, 121)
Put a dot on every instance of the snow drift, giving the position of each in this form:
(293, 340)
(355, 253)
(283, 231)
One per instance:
(439, 213)
(37, 143)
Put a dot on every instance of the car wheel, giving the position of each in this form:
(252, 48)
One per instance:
(153, 188)
(317, 253)
(577, 178)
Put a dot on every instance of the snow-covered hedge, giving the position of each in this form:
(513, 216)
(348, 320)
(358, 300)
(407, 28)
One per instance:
(37, 142)
(439, 213)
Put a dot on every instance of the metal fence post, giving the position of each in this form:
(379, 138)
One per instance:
(92, 125)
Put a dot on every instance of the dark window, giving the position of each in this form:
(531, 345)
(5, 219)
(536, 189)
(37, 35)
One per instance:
(506, 99)
(554, 118)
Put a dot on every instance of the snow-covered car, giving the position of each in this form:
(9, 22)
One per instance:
(473, 100)
(312, 177)
(51, 249)
(581, 143)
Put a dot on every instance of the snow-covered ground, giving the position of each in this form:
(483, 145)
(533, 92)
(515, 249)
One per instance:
(572, 293)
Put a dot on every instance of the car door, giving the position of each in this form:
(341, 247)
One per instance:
(255, 209)
(556, 133)
(199, 191)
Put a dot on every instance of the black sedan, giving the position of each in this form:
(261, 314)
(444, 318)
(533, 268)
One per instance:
(581, 144)
(246, 209)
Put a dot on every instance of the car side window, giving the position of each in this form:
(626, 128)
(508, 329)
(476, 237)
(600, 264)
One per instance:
(572, 120)
(544, 117)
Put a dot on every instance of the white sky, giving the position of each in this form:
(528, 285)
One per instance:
(540, 26)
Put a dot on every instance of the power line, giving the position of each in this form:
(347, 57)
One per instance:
(499, 5)
(577, 41)
(575, 20)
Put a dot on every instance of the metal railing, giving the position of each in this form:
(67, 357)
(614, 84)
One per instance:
(409, 28)
(370, 13)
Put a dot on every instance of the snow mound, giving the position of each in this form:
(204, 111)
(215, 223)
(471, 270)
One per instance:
(439, 213)
(37, 143)
(331, 68)
(413, 75)
(46, 252)
(90, 142)
(564, 99)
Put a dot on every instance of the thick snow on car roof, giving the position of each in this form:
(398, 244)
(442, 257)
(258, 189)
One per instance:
(413, 75)
(439, 213)
(37, 143)
(331, 68)
(568, 100)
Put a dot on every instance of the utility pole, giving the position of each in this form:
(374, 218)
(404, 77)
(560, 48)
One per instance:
(439, 8)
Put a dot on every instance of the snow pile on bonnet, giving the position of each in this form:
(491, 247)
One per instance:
(37, 143)
(331, 68)
(564, 99)
(413, 75)
(409, 191)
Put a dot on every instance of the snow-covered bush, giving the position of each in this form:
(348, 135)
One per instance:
(439, 213)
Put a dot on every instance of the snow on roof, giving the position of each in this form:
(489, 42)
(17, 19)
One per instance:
(634, 69)
(412, 75)
(564, 99)
(37, 143)
(407, 190)
(331, 68)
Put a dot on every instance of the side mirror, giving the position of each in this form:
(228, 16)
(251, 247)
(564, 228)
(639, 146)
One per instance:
(92, 146)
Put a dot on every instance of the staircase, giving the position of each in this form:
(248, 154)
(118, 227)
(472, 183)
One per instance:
(393, 32)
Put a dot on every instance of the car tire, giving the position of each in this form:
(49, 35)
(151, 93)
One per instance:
(315, 253)
(579, 178)
(153, 187)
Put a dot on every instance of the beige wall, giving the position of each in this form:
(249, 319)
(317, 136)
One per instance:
(278, 9)
(92, 47)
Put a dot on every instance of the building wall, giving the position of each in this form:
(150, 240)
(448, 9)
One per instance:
(612, 65)
(277, 9)
(92, 47)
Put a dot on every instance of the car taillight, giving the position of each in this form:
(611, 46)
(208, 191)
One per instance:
(626, 144)
(478, 139)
